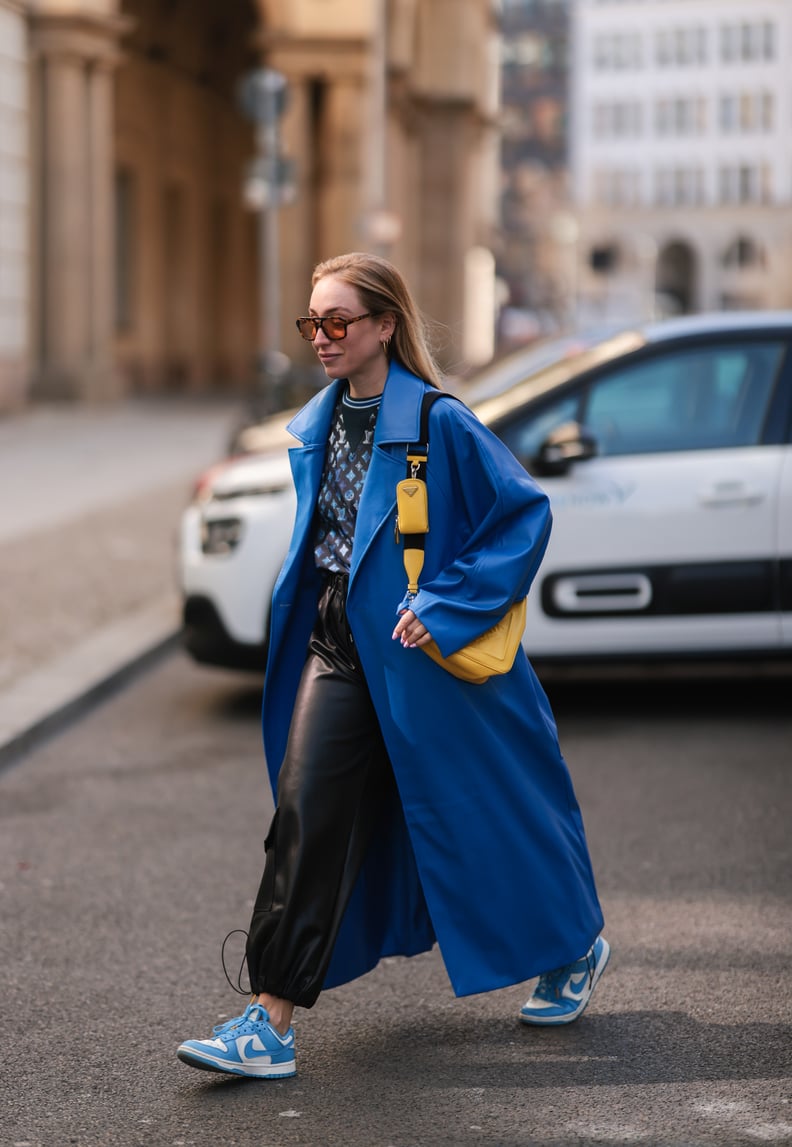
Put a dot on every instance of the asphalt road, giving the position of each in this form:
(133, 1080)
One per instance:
(131, 843)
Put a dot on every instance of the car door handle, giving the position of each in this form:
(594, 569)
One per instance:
(731, 494)
(595, 593)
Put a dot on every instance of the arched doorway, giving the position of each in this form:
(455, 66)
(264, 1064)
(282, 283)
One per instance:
(677, 288)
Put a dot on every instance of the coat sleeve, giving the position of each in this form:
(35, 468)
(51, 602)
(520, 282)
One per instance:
(489, 525)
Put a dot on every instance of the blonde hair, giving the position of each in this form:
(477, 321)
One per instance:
(382, 288)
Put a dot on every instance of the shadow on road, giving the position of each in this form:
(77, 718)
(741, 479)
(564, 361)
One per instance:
(630, 1048)
(600, 1051)
(451, 1080)
(637, 690)
(721, 698)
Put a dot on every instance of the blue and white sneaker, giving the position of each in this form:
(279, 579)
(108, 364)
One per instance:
(245, 1045)
(561, 996)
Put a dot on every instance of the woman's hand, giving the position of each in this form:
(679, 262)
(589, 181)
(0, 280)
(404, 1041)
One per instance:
(410, 631)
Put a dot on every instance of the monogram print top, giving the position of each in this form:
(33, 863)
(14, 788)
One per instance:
(346, 464)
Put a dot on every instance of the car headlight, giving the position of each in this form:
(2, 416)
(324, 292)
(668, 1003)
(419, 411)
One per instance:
(221, 535)
(209, 487)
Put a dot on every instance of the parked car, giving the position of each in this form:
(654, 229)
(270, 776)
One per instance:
(667, 455)
(256, 435)
(506, 372)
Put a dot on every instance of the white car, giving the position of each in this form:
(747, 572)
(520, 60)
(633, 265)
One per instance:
(667, 455)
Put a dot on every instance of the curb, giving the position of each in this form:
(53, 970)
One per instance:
(48, 698)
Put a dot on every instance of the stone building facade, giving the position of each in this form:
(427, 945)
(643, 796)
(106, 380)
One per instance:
(129, 260)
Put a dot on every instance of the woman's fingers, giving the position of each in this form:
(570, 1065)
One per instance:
(410, 631)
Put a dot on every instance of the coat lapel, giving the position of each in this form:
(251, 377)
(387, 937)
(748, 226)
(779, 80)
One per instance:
(312, 427)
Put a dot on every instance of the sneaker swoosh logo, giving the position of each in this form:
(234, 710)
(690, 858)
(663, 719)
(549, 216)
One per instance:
(248, 1050)
(252, 1048)
(576, 989)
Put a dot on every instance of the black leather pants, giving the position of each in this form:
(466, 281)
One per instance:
(332, 783)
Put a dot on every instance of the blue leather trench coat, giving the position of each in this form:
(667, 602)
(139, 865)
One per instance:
(485, 850)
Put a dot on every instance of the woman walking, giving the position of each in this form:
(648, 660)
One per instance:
(411, 807)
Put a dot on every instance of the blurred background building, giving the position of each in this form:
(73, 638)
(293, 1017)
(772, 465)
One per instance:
(681, 155)
(129, 257)
(534, 257)
(645, 169)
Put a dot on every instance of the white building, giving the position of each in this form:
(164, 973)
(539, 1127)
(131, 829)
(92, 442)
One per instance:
(681, 155)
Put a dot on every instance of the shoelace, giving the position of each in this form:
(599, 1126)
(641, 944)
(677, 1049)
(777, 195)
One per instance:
(238, 988)
(550, 983)
(253, 1013)
(222, 1029)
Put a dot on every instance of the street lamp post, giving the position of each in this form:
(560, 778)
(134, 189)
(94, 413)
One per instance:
(269, 184)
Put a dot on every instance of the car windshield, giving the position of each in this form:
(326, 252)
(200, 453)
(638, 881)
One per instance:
(532, 386)
(499, 376)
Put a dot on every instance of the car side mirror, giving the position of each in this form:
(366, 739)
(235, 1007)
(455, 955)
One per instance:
(568, 443)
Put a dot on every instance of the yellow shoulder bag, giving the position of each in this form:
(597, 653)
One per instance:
(495, 650)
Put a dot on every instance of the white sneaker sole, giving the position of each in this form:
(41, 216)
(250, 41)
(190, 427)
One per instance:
(205, 1062)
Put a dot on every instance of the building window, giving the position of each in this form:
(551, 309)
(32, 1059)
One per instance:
(766, 111)
(727, 113)
(748, 42)
(618, 120)
(681, 119)
(701, 45)
(746, 112)
(681, 116)
(768, 40)
(766, 183)
(745, 183)
(681, 47)
(617, 51)
(744, 252)
(679, 187)
(662, 117)
(663, 48)
(728, 43)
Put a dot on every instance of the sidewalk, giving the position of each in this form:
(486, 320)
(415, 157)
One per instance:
(90, 500)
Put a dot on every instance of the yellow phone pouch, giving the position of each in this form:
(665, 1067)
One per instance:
(412, 506)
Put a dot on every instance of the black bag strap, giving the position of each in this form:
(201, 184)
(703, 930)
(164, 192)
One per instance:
(417, 460)
(418, 452)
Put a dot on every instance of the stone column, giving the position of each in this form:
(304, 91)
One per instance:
(101, 378)
(73, 60)
(341, 204)
(14, 206)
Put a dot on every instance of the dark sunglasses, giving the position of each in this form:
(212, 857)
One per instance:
(334, 326)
